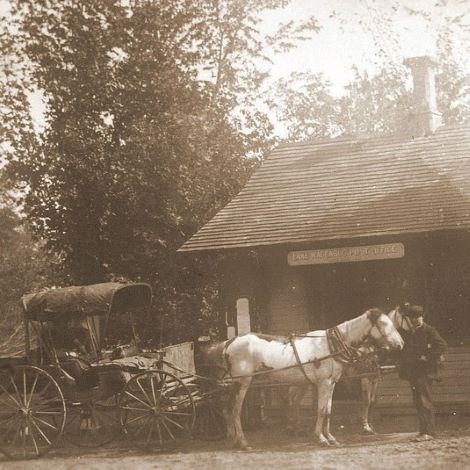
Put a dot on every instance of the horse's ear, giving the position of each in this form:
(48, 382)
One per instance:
(373, 314)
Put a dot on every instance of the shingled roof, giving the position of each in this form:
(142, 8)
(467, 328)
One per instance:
(348, 188)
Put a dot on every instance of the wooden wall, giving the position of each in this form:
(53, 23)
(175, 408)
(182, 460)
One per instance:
(452, 393)
(286, 297)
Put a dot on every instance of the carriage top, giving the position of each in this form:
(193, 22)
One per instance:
(81, 301)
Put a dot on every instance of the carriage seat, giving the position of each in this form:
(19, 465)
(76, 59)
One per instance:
(137, 362)
(81, 371)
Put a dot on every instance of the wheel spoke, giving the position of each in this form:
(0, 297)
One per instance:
(46, 423)
(25, 395)
(149, 436)
(134, 409)
(12, 424)
(138, 399)
(11, 396)
(40, 432)
(33, 387)
(168, 430)
(23, 437)
(43, 391)
(178, 425)
(160, 437)
(45, 403)
(174, 413)
(17, 433)
(9, 405)
(133, 420)
(141, 428)
(152, 385)
(144, 392)
(34, 441)
(20, 401)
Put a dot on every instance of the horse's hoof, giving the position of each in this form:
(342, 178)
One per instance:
(333, 442)
(368, 431)
(242, 446)
(322, 442)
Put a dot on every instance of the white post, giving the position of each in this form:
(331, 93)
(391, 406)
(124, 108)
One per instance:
(243, 316)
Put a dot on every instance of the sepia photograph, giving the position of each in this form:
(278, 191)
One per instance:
(234, 234)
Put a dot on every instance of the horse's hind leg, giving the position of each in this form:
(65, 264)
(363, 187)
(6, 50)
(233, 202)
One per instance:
(294, 398)
(232, 415)
(325, 397)
(369, 390)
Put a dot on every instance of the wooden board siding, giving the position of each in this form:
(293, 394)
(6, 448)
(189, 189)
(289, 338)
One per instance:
(454, 388)
(348, 188)
(286, 302)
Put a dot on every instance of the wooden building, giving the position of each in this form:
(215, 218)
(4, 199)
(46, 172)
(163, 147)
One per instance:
(326, 229)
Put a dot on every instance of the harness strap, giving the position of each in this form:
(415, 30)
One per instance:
(297, 358)
(346, 354)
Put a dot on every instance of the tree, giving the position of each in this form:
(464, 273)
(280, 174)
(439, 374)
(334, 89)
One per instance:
(150, 119)
(372, 105)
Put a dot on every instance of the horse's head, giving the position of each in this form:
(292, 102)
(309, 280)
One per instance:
(400, 320)
(383, 331)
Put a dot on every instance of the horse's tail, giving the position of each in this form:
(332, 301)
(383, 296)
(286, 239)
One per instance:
(212, 360)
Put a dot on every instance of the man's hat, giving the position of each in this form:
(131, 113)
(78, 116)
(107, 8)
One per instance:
(412, 310)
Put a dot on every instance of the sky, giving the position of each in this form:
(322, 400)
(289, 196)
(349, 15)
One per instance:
(349, 29)
(339, 46)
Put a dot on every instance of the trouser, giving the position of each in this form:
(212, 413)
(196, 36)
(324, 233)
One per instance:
(422, 399)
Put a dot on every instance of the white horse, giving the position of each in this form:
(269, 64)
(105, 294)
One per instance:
(296, 360)
(369, 382)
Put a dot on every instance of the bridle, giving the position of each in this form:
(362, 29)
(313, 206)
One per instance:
(374, 322)
(405, 320)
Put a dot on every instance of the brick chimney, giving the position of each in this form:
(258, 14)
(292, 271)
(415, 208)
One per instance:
(425, 116)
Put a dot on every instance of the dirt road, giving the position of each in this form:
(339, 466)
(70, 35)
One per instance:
(276, 451)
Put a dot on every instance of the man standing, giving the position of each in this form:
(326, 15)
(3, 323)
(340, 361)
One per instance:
(418, 364)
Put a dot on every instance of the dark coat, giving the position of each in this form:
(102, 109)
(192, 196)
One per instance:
(421, 352)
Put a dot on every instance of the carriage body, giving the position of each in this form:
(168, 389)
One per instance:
(79, 381)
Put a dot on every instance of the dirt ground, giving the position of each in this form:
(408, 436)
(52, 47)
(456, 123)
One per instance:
(274, 449)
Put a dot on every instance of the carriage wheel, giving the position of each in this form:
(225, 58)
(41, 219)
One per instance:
(157, 411)
(93, 423)
(32, 412)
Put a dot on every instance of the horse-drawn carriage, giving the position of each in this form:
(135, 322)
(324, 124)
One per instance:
(68, 383)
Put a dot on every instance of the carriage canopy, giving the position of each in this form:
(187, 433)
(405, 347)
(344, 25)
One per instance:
(92, 300)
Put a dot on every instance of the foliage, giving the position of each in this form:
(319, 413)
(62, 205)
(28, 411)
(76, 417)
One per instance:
(24, 267)
(377, 104)
(149, 121)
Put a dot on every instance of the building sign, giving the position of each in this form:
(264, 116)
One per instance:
(346, 254)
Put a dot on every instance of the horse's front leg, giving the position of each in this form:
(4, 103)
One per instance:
(233, 414)
(326, 425)
(369, 391)
(325, 396)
